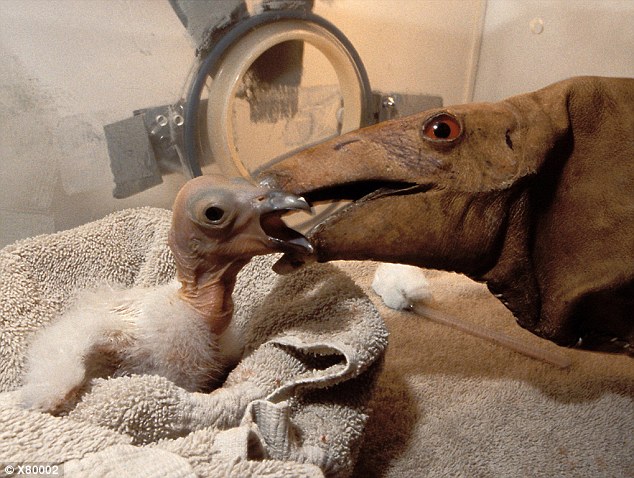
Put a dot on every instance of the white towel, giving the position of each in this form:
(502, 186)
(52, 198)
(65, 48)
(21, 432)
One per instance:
(293, 406)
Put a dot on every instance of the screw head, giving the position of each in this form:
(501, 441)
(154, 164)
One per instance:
(536, 25)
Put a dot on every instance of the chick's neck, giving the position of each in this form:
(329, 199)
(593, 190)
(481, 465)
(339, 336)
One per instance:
(208, 288)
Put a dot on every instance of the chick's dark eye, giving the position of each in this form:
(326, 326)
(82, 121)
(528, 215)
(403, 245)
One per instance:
(214, 213)
(442, 127)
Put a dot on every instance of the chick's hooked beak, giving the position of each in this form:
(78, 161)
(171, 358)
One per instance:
(272, 205)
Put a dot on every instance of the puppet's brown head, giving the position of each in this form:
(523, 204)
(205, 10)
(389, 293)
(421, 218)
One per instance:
(532, 195)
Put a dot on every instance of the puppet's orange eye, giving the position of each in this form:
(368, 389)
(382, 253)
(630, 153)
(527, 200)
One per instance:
(443, 127)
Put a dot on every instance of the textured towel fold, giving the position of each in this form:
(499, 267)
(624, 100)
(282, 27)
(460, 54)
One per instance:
(293, 406)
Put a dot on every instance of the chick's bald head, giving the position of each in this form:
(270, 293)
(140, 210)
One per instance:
(217, 219)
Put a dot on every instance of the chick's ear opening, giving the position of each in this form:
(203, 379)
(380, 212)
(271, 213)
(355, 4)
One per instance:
(214, 214)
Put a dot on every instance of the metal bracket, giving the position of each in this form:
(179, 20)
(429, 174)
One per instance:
(144, 147)
(164, 139)
(388, 106)
(150, 144)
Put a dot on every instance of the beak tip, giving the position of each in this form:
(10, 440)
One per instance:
(304, 205)
(289, 263)
(279, 201)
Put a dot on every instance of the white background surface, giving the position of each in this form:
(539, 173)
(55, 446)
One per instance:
(68, 67)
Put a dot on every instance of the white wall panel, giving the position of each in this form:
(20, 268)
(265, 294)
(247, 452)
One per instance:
(591, 37)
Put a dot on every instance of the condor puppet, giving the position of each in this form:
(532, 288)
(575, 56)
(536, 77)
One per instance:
(533, 195)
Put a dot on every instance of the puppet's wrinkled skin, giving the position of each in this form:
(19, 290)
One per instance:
(533, 195)
(179, 330)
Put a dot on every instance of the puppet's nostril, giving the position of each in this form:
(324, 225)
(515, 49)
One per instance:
(509, 141)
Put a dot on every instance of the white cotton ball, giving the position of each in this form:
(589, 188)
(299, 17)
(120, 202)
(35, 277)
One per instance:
(400, 285)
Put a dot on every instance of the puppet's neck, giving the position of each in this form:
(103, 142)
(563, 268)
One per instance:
(208, 290)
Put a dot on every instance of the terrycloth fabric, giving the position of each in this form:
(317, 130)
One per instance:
(295, 405)
(449, 404)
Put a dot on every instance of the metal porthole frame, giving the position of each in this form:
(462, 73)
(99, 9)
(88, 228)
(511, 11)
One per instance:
(262, 32)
